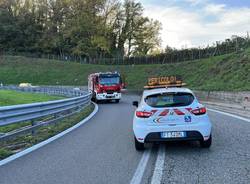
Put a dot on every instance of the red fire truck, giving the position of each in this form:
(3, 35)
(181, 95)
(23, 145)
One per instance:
(105, 86)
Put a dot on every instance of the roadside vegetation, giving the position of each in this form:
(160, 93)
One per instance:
(8, 97)
(12, 146)
(20, 143)
(229, 72)
(85, 28)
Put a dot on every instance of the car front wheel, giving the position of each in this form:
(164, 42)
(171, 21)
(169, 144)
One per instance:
(207, 143)
(139, 146)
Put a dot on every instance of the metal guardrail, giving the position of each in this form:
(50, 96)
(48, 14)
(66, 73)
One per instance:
(58, 109)
(68, 91)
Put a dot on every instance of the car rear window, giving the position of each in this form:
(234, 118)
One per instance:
(169, 99)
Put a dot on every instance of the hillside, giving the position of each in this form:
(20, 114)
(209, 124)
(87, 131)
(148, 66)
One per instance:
(227, 72)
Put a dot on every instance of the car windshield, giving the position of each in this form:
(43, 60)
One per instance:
(109, 80)
(169, 99)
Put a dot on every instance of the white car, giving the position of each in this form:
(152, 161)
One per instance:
(170, 114)
(25, 85)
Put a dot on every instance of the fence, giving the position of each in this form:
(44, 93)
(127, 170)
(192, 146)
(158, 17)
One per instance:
(235, 44)
(56, 110)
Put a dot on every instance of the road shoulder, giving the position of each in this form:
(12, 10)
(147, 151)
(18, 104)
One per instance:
(235, 109)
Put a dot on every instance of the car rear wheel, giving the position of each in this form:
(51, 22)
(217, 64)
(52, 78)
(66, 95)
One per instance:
(96, 101)
(139, 146)
(207, 143)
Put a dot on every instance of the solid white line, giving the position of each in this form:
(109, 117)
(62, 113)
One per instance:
(39, 145)
(231, 115)
(137, 178)
(159, 166)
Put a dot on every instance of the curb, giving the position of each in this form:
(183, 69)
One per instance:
(51, 139)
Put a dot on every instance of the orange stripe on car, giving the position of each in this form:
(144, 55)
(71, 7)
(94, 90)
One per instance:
(189, 109)
(153, 112)
(178, 112)
(164, 113)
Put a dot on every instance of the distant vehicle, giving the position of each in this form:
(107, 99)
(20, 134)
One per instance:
(168, 112)
(105, 86)
(25, 85)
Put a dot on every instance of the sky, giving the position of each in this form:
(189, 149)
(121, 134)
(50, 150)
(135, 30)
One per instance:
(197, 23)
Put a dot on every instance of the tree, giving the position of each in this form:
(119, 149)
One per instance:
(133, 14)
(147, 38)
(90, 28)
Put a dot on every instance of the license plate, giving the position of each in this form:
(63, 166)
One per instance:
(173, 134)
(109, 96)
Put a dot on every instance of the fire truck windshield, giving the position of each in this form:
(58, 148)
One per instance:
(109, 80)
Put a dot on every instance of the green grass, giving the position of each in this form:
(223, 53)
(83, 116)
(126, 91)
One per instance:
(11, 127)
(228, 72)
(13, 97)
(4, 153)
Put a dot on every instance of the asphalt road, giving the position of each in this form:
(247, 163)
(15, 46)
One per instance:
(102, 151)
(227, 161)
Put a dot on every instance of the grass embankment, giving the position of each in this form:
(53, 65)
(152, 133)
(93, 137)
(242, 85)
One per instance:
(13, 97)
(10, 147)
(228, 72)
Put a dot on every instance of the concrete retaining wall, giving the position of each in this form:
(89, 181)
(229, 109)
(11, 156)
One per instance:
(242, 98)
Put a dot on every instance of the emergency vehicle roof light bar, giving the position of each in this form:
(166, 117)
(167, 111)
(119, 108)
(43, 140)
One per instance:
(164, 82)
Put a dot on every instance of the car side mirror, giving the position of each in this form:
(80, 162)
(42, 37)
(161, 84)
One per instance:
(123, 85)
(135, 103)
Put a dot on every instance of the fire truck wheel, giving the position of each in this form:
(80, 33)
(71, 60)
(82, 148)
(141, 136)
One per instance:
(94, 98)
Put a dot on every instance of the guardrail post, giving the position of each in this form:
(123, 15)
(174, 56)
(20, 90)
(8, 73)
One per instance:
(208, 95)
(33, 132)
(246, 102)
(1, 134)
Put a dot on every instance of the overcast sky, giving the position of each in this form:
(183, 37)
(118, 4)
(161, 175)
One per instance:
(189, 23)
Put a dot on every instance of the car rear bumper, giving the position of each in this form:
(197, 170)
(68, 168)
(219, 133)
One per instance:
(156, 137)
(196, 131)
(105, 96)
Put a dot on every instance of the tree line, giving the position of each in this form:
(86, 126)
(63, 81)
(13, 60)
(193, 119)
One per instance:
(84, 28)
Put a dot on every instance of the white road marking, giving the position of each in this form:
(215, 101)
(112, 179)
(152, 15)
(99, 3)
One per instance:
(137, 178)
(39, 145)
(159, 166)
(231, 115)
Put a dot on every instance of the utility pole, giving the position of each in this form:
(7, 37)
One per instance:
(248, 39)
(199, 52)
(236, 42)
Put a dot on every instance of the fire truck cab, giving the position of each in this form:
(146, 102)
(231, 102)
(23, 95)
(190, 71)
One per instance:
(105, 86)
